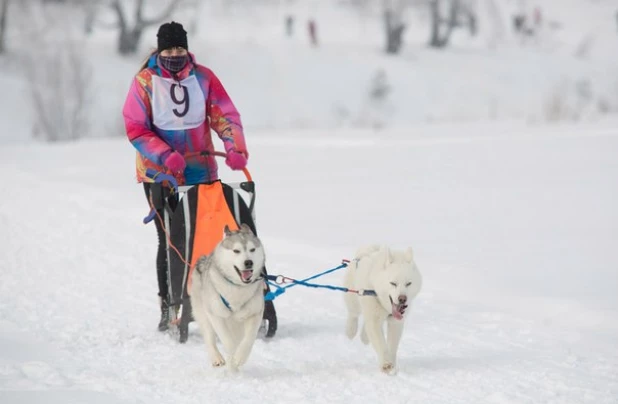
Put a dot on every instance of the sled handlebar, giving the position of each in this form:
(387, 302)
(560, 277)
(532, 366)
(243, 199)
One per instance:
(159, 177)
(217, 154)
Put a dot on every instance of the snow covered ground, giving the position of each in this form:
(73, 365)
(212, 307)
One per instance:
(515, 232)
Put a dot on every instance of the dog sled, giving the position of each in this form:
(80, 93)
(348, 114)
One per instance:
(194, 228)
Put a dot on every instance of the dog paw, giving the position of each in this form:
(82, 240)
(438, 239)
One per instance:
(218, 362)
(237, 361)
(389, 368)
(234, 367)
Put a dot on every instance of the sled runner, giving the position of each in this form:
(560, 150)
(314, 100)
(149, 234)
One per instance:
(194, 228)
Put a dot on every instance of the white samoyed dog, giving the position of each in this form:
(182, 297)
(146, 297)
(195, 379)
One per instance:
(395, 279)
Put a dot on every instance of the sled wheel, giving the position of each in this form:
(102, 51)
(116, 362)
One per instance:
(271, 329)
(185, 319)
(269, 322)
(183, 331)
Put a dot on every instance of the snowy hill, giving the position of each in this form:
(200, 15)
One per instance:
(565, 73)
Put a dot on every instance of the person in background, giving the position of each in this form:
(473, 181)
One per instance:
(313, 34)
(289, 25)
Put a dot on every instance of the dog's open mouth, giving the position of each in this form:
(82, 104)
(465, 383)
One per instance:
(245, 275)
(398, 309)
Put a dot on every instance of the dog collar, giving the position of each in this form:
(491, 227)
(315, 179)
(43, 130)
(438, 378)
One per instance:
(223, 300)
(226, 303)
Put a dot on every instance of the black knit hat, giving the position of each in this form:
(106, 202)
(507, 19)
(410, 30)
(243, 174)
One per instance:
(171, 35)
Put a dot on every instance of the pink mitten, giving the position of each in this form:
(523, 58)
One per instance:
(236, 160)
(175, 162)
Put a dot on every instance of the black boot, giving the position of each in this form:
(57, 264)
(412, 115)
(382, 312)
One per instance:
(270, 315)
(164, 322)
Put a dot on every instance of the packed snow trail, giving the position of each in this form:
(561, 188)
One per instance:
(514, 234)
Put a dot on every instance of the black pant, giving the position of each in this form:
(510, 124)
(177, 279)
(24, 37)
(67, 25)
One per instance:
(160, 197)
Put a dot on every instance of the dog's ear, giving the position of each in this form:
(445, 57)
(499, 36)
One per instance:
(385, 256)
(409, 254)
(244, 228)
(227, 231)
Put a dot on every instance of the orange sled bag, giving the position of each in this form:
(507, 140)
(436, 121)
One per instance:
(196, 227)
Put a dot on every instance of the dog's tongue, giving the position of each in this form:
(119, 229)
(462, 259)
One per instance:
(398, 310)
(246, 275)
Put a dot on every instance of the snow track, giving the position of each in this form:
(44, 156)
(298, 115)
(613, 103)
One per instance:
(517, 307)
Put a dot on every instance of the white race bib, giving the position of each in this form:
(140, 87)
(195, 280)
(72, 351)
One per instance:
(177, 106)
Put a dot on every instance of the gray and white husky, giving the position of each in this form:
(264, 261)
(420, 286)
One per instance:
(227, 296)
(396, 280)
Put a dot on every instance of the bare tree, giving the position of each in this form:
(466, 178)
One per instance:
(4, 10)
(459, 14)
(130, 35)
(91, 16)
(394, 32)
(393, 24)
(56, 68)
(60, 98)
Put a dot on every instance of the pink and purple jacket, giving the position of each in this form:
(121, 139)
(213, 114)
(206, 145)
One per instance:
(154, 144)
